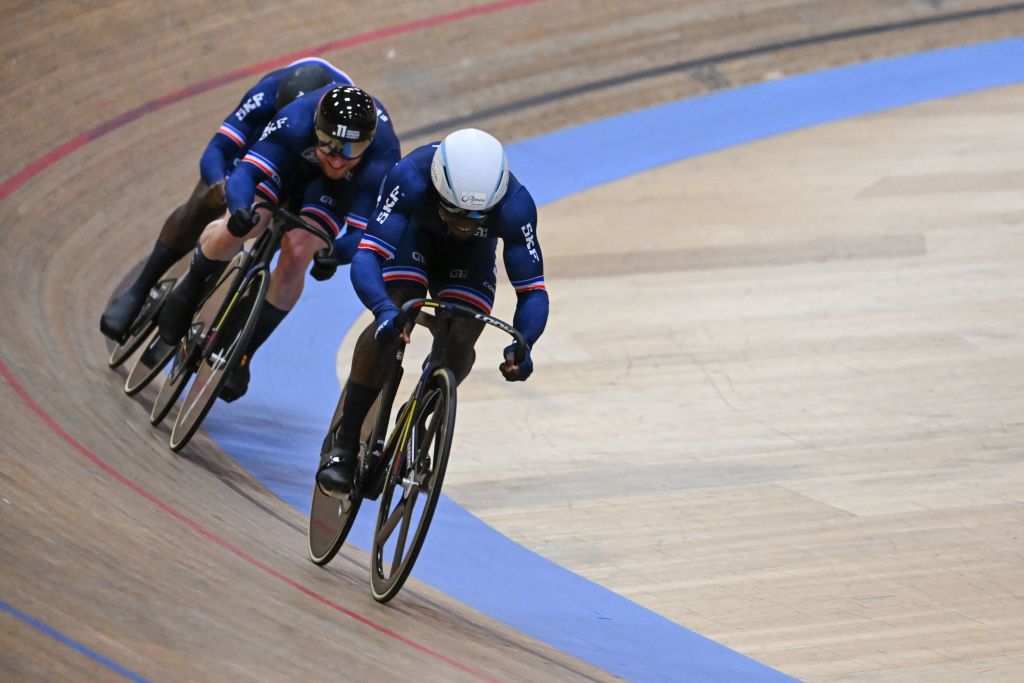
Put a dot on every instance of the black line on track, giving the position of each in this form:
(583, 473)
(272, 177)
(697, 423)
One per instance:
(702, 62)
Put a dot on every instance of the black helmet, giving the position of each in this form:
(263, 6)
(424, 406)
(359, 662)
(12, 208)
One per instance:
(346, 119)
(300, 80)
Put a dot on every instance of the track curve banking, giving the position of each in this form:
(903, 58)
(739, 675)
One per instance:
(120, 559)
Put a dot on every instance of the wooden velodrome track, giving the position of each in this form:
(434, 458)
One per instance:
(814, 460)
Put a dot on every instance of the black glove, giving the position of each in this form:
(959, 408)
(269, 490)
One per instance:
(386, 330)
(325, 265)
(242, 221)
(518, 365)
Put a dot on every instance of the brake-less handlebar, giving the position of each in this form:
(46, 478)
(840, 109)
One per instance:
(412, 307)
(294, 222)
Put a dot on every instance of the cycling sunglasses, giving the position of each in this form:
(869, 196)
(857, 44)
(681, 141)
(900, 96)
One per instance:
(346, 149)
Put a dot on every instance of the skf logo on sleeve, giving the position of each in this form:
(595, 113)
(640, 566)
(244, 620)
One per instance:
(251, 104)
(389, 204)
(272, 126)
(531, 241)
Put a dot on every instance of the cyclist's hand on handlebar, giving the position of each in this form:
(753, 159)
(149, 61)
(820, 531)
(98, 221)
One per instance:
(242, 222)
(388, 328)
(513, 371)
(325, 265)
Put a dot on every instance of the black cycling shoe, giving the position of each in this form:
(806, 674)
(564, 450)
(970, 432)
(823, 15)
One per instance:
(176, 315)
(117, 320)
(337, 472)
(237, 383)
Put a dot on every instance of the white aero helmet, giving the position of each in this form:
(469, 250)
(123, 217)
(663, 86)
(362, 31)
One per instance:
(470, 172)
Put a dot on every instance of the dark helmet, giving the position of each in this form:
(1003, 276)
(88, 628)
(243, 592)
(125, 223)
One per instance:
(300, 80)
(346, 120)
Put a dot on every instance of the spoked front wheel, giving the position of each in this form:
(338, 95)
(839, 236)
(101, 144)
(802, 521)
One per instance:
(413, 487)
(230, 338)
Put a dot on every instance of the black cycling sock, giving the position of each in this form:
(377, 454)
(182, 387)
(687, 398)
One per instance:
(200, 272)
(160, 259)
(270, 317)
(358, 399)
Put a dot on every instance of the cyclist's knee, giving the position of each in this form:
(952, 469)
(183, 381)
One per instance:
(291, 264)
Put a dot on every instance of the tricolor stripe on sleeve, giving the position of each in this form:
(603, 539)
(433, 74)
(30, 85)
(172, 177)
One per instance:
(268, 192)
(468, 295)
(529, 285)
(354, 221)
(377, 245)
(322, 218)
(412, 274)
(260, 162)
(231, 134)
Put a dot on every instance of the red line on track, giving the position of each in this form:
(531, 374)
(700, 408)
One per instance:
(203, 531)
(36, 167)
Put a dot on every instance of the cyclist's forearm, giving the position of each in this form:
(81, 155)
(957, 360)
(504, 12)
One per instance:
(345, 246)
(368, 281)
(531, 314)
(213, 165)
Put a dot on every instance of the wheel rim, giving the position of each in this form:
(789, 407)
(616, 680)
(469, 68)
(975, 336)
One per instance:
(220, 356)
(410, 495)
(142, 374)
(174, 383)
(330, 520)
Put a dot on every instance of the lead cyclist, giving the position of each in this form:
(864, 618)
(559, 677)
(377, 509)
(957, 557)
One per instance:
(436, 226)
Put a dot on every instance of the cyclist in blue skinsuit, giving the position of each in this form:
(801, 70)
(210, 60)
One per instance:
(240, 129)
(439, 217)
(324, 155)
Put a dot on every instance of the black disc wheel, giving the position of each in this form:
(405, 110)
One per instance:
(155, 355)
(223, 347)
(330, 519)
(143, 326)
(412, 487)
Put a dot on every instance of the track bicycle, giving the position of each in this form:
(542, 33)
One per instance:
(222, 326)
(404, 467)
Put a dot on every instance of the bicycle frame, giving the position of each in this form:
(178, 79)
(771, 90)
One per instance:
(256, 259)
(399, 437)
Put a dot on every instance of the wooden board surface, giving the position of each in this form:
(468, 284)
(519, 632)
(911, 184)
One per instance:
(181, 567)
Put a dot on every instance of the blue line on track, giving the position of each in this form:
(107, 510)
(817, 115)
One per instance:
(73, 644)
(276, 430)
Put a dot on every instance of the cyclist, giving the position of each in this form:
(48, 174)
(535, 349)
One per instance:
(438, 219)
(240, 129)
(325, 154)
